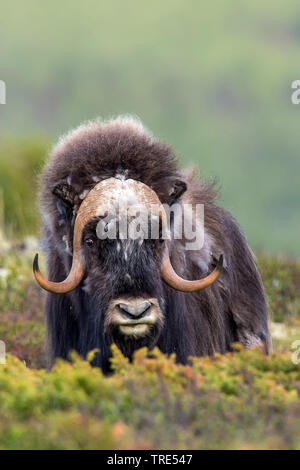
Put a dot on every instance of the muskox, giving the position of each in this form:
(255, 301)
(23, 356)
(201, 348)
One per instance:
(144, 291)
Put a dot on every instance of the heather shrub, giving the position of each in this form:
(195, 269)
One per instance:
(242, 400)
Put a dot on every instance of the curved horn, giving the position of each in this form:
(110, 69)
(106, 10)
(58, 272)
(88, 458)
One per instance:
(167, 272)
(93, 205)
(172, 279)
(76, 273)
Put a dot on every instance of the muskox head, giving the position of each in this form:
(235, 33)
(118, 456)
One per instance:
(123, 271)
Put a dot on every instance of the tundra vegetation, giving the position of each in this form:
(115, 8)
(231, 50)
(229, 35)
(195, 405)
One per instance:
(241, 400)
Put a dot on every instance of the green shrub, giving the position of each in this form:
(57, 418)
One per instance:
(240, 400)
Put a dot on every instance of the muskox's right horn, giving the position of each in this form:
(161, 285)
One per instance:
(94, 205)
(73, 279)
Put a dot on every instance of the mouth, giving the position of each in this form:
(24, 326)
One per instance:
(135, 329)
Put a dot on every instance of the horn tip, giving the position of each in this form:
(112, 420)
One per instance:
(36, 263)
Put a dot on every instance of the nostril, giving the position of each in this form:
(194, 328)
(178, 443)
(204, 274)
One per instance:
(134, 310)
(144, 309)
(124, 309)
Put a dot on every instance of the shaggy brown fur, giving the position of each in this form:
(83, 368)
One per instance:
(233, 309)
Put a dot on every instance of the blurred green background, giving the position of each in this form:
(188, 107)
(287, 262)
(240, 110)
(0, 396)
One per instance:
(212, 78)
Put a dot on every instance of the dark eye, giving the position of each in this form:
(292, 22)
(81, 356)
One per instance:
(89, 242)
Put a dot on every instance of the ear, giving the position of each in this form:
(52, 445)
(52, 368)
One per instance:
(175, 187)
(65, 193)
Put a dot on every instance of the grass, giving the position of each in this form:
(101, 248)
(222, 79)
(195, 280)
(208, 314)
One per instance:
(241, 400)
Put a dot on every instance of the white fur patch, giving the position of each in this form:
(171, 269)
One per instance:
(65, 240)
(84, 194)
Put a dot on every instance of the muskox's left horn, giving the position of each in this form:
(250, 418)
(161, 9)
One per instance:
(172, 279)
